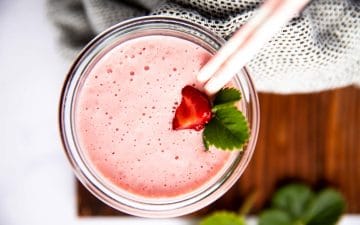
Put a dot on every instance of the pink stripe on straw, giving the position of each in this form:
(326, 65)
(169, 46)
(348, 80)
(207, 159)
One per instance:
(247, 41)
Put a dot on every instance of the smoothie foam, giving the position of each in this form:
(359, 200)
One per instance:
(124, 113)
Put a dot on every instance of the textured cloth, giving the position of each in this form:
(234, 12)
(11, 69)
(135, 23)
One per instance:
(318, 50)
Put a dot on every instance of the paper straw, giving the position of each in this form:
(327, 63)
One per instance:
(247, 41)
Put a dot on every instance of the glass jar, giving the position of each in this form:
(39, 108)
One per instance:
(89, 176)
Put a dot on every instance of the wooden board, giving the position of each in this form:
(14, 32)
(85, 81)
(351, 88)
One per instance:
(313, 138)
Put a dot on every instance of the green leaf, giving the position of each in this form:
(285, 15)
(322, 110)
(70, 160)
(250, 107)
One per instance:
(293, 199)
(227, 130)
(326, 208)
(223, 218)
(222, 106)
(227, 95)
(274, 217)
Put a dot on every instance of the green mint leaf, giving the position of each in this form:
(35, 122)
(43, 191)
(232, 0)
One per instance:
(227, 130)
(326, 208)
(275, 217)
(303, 207)
(223, 218)
(222, 106)
(227, 95)
(293, 199)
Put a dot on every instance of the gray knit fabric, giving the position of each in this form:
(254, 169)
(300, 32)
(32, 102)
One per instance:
(318, 50)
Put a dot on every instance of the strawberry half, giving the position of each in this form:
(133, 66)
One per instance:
(194, 110)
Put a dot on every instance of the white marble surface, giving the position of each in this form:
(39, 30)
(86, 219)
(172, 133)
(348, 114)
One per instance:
(37, 185)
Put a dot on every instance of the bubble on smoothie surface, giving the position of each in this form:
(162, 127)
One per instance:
(123, 118)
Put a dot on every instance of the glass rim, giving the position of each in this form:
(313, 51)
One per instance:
(163, 210)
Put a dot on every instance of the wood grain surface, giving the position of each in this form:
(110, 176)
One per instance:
(312, 138)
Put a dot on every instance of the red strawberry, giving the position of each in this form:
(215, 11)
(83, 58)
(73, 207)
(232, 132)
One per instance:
(194, 110)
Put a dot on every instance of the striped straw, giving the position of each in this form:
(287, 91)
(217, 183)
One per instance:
(247, 41)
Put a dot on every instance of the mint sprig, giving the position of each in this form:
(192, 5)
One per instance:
(326, 208)
(228, 129)
(297, 204)
(227, 94)
(293, 199)
(294, 204)
(223, 218)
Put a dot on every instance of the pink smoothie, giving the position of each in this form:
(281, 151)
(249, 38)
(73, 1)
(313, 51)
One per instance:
(124, 114)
